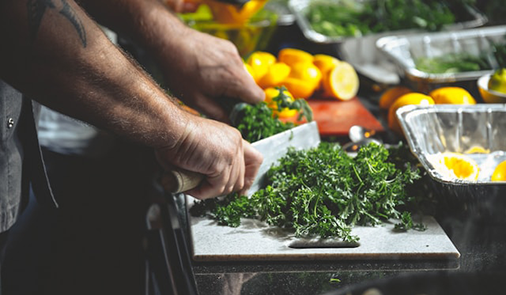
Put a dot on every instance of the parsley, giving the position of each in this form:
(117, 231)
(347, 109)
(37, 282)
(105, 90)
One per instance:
(324, 192)
(359, 18)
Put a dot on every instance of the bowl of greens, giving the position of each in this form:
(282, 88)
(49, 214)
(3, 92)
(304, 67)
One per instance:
(351, 27)
(332, 21)
(431, 60)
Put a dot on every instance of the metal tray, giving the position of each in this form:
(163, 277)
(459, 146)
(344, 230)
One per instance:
(431, 130)
(404, 50)
(361, 52)
(299, 9)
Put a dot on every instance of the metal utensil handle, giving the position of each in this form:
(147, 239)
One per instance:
(177, 181)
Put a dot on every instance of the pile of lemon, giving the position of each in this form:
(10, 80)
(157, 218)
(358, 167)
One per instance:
(463, 167)
(450, 164)
(455, 165)
(304, 74)
(399, 96)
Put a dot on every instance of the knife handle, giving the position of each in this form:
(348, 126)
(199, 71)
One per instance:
(179, 180)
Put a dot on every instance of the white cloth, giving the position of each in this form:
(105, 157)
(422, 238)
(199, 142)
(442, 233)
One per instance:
(65, 135)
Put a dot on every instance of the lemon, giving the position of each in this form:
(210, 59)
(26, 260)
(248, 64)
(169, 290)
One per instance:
(325, 62)
(452, 95)
(260, 62)
(477, 150)
(407, 99)
(291, 56)
(499, 173)
(276, 73)
(299, 88)
(456, 165)
(306, 71)
(303, 79)
(270, 94)
(341, 82)
(391, 94)
(250, 70)
(497, 81)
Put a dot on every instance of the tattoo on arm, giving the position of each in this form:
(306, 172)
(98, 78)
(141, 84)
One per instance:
(36, 10)
(71, 15)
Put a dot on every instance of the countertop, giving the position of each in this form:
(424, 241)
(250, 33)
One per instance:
(482, 246)
(481, 243)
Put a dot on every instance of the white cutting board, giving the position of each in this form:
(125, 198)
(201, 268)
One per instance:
(256, 241)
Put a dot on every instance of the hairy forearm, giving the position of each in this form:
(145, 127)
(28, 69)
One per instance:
(147, 22)
(56, 54)
(143, 21)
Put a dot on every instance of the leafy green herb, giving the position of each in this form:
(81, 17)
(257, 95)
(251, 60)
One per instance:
(499, 53)
(325, 192)
(227, 211)
(355, 18)
(453, 63)
(258, 121)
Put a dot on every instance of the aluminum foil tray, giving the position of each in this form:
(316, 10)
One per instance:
(436, 129)
(404, 50)
(361, 52)
(300, 7)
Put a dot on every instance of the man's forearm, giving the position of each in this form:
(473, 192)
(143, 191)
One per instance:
(148, 22)
(58, 55)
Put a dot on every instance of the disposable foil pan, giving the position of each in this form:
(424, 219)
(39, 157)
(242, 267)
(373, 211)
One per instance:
(431, 130)
(361, 52)
(404, 50)
(474, 18)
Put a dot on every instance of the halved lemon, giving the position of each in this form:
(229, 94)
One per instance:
(499, 173)
(452, 95)
(456, 165)
(325, 63)
(341, 82)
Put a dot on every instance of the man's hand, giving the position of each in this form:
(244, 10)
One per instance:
(217, 151)
(85, 76)
(206, 69)
(199, 68)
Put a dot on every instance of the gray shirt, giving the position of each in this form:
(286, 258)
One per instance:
(20, 157)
